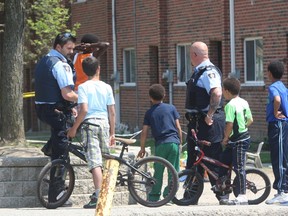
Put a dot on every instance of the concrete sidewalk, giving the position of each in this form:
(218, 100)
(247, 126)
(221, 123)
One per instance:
(208, 205)
(173, 210)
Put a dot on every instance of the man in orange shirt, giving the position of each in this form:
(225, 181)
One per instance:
(89, 46)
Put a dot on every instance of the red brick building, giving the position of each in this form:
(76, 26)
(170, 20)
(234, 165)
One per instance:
(154, 36)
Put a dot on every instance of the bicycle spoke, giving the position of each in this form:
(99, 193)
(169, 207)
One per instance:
(151, 188)
(257, 186)
(190, 188)
(55, 184)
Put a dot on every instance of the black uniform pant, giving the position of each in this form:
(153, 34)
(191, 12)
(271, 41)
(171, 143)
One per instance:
(58, 139)
(58, 142)
(214, 134)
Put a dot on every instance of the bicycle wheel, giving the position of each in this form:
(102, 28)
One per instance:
(150, 188)
(55, 184)
(258, 186)
(190, 188)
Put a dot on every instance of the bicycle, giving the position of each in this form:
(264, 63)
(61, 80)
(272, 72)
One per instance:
(191, 186)
(138, 176)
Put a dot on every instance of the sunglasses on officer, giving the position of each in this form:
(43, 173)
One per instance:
(63, 38)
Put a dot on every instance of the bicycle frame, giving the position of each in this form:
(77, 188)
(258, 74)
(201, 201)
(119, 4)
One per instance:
(202, 157)
(123, 161)
(215, 162)
(76, 150)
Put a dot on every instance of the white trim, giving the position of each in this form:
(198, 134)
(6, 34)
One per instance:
(180, 84)
(256, 83)
(128, 84)
(79, 1)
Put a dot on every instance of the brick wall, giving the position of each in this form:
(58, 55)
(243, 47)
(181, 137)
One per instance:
(268, 20)
(19, 175)
(162, 25)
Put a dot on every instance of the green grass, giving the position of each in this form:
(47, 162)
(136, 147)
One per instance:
(265, 157)
(44, 136)
(149, 143)
(265, 153)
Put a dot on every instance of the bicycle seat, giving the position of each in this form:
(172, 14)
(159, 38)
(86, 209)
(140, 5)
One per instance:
(126, 141)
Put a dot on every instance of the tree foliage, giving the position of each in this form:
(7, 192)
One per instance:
(46, 18)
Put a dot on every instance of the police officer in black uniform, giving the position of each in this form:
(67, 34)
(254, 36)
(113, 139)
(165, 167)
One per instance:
(53, 93)
(204, 106)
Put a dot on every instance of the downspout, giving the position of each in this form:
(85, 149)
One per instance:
(170, 92)
(232, 37)
(136, 65)
(115, 72)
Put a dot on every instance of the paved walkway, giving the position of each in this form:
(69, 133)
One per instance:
(208, 205)
(173, 210)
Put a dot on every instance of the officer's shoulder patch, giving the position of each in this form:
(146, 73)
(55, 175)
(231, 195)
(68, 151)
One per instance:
(67, 68)
(211, 75)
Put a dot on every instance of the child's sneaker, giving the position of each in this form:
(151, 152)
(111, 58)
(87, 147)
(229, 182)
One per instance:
(241, 199)
(280, 198)
(92, 203)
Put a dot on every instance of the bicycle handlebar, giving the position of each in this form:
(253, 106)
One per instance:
(200, 142)
(71, 106)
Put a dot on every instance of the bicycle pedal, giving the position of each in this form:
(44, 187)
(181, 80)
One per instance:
(60, 195)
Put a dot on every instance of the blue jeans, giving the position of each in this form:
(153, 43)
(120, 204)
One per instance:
(236, 155)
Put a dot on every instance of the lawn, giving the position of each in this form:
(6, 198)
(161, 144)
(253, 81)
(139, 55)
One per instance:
(44, 136)
(265, 155)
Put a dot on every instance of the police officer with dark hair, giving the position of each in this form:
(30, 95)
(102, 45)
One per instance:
(204, 106)
(53, 93)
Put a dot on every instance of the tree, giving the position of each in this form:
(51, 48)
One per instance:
(46, 18)
(11, 101)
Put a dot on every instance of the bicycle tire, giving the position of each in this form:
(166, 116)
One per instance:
(258, 186)
(44, 182)
(191, 187)
(140, 187)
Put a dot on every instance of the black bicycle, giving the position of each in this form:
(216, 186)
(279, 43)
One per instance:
(139, 175)
(191, 186)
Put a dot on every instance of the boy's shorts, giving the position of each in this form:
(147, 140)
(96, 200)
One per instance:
(96, 140)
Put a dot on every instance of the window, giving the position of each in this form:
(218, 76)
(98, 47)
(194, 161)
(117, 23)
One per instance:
(253, 54)
(129, 66)
(183, 63)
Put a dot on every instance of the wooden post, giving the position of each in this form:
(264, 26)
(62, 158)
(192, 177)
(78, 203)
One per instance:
(105, 199)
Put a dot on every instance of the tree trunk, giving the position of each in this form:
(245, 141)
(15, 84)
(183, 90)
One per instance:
(12, 130)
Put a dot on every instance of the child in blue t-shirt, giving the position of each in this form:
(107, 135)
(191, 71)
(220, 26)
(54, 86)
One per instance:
(276, 116)
(163, 119)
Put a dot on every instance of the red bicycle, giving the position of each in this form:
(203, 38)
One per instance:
(191, 185)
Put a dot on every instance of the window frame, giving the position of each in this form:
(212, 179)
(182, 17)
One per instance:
(250, 82)
(125, 83)
(178, 63)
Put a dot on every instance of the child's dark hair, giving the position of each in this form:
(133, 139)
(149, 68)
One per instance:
(90, 65)
(89, 38)
(232, 85)
(276, 68)
(157, 92)
(63, 38)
